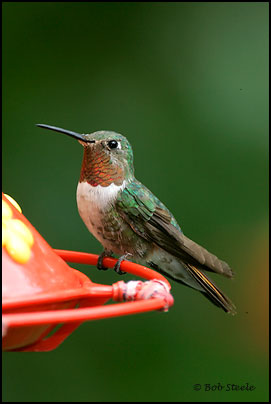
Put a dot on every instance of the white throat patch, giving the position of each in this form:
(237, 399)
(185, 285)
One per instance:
(97, 196)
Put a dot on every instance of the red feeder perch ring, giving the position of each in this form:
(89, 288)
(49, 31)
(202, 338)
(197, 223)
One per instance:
(40, 290)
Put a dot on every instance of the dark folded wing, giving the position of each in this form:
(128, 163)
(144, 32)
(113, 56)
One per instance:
(150, 219)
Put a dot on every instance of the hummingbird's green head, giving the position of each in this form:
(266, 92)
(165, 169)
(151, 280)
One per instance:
(108, 157)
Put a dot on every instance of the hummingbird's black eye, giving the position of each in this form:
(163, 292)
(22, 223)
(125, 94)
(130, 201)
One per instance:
(113, 144)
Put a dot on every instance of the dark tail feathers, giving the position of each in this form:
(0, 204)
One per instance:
(211, 291)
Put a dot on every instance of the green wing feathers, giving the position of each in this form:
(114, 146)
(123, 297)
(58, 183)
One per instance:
(150, 219)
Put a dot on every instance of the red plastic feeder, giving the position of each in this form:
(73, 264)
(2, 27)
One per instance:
(41, 291)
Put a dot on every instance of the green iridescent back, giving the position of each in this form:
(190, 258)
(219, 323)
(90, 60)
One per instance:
(136, 200)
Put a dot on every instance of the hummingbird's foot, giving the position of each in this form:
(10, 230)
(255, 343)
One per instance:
(117, 265)
(105, 253)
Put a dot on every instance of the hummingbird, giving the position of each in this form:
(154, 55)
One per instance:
(130, 221)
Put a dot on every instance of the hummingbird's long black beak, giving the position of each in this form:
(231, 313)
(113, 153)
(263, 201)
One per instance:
(67, 132)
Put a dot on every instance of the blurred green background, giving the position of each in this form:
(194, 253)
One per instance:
(187, 83)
